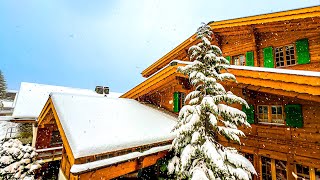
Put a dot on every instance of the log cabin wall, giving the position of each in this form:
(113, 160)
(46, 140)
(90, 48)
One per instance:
(164, 97)
(288, 32)
(294, 146)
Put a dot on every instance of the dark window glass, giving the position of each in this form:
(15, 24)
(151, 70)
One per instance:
(266, 168)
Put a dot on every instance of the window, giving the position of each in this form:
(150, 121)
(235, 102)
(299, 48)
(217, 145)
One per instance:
(277, 114)
(55, 138)
(239, 60)
(306, 173)
(263, 113)
(281, 170)
(266, 168)
(270, 114)
(285, 56)
(302, 172)
(273, 169)
(317, 173)
(249, 157)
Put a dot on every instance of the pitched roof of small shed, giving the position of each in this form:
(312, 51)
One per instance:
(32, 97)
(95, 124)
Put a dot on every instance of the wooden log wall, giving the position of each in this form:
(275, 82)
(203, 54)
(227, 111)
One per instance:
(163, 97)
(294, 145)
(288, 32)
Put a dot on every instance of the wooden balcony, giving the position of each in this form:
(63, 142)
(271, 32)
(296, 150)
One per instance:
(49, 154)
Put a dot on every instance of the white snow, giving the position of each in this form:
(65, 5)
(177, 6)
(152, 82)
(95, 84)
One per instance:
(277, 70)
(95, 124)
(49, 149)
(32, 97)
(77, 168)
(261, 69)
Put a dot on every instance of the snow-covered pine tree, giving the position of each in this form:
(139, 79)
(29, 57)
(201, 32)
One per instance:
(17, 161)
(3, 86)
(198, 155)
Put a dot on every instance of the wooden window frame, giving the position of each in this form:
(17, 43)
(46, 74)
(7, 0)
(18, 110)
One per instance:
(273, 167)
(312, 171)
(238, 56)
(284, 55)
(263, 113)
(270, 120)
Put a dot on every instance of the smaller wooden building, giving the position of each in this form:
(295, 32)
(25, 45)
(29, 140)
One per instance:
(101, 137)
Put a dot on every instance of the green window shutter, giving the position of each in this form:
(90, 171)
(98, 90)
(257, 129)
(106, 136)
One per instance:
(294, 116)
(303, 55)
(176, 102)
(229, 59)
(249, 58)
(249, 112)
(268, 60)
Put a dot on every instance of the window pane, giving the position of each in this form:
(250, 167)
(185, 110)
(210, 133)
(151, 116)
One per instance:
(302, 172)
(290, 55)
(242, 60)
(266, 168)
(317, 174)
(277, 116)
(279, 110)
(281, 170)
(274, 110)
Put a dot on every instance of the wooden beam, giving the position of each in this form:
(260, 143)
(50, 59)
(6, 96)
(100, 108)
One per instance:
(63, 135)
(256, 42)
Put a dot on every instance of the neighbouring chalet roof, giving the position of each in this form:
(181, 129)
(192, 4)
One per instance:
(32, 97)
(294, 83)
(221, 26)
(93, 124)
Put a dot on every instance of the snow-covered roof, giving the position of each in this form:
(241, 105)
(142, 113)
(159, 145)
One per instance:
(95, 124)
(32, 97)
(113, 94)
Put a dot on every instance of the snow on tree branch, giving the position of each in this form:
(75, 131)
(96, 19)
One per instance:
(17, 161)
(207, 114)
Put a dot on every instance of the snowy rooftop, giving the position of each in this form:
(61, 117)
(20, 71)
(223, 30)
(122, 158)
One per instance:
(95, 124)
(32, 97)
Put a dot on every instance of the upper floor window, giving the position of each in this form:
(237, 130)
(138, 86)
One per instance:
(270, 114)
(285, 56)
(277, 115)
(239, 60)
(55, 138)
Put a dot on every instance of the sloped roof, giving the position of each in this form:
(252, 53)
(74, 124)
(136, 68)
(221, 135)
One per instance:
(94, 124)
(299, 83)
(32, 97)
(264, 19)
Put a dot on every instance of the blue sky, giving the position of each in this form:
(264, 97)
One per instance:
(82, 44)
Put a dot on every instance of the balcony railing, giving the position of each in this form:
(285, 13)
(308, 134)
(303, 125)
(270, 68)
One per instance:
(49, 154)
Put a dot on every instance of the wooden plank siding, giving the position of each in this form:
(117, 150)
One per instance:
(301, 21)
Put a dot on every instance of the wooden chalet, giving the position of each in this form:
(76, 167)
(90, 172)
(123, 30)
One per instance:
(101, 137)
(276, 60)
